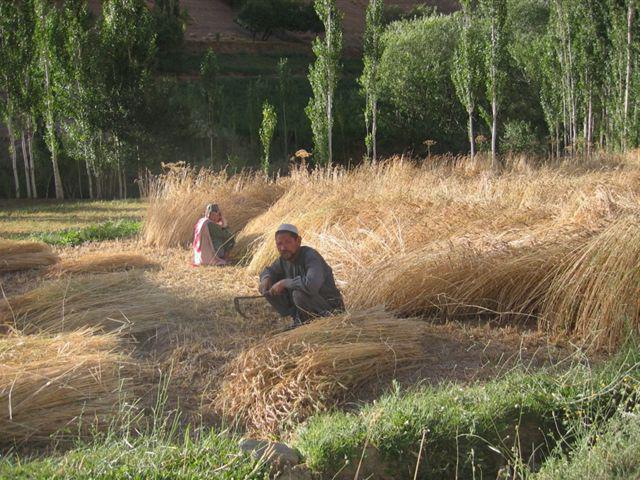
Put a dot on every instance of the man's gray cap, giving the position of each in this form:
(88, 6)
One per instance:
(287, 227)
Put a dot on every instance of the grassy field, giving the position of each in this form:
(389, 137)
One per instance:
(21, 219)
(484, 313)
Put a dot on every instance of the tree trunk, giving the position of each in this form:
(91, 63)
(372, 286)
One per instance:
(627, 84)
(284, 128)
(494, 132)
(51, 133)
(472, 143)
(89, 177)
(14, 156)
(32, 168)
(590, 125)
(25, 160)
(374, 130)
(329, 92)
(79, 179)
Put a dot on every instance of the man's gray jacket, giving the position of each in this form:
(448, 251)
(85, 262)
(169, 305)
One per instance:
(308, 272)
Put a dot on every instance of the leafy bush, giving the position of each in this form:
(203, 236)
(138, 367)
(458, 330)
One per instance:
(267, 16)
(92, 233)
(519, 137)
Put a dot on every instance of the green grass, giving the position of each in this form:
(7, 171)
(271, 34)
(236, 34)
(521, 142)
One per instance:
(475, 431)
(91, 233)
(208, 455)
(21, 219)
(613, 454)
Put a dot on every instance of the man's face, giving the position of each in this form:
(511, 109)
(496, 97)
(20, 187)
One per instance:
(287, 245)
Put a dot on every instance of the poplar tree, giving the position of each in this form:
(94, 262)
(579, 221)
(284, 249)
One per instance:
(466, 72)
(283, 89)
(495, 12)
(269, 120)
(323, 77)
(48, 30)
(369, 80)
(209, 71)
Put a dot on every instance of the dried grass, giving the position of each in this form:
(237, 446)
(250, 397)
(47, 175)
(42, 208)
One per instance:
(178, 198)
(100, 263)
(116, 301)
(15, 256)
(451, 238)
(292, 375)
(596, 290)
(69, 384)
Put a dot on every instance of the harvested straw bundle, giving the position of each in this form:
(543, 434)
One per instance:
(16, 256)
(69, 383)
(110, 302)
(596, 290)
(396, 207)
(178, 198)
(100, 263)
(509, 279)
(311, 368)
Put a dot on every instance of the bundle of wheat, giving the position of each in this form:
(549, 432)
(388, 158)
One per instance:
(97, 262)
(595, 293)
(505, 279)
(178, 198)
(69, 384)
(294, 374)
(111, 302)
(396, 207)
(16, 255)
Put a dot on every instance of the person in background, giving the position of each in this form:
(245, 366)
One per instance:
(300, 283)
(212, 241)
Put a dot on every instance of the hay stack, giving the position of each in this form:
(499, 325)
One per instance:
(297, 373)
(108, 302)
(596, 290)
(70, 383)
(177, 200)
(15, 256)
(100, 263)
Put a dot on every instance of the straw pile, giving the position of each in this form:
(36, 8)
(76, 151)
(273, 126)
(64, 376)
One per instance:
(100, 263)
(596, 290)
(70, 383)
(15, 256)
(285, 379)
(108, 302)
(177, 200)
(505, 279)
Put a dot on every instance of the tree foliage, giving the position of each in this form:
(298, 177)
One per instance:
(268, 127)
(323, 77)
(264, 17)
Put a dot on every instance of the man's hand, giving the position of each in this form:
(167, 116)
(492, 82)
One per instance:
(278, 288)
(265, 286)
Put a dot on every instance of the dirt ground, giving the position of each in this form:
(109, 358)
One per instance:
(210, 333)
